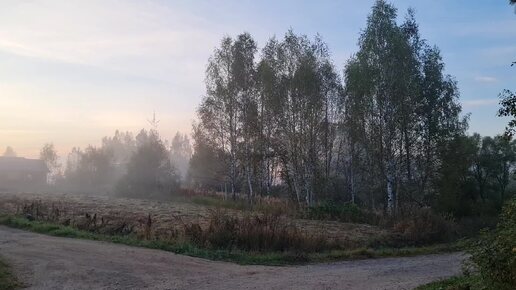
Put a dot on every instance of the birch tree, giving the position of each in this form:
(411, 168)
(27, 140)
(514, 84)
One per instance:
(218, 110)
(376, 92)
(228, 111)
(301, 87)
(244, 76)
(400, 108)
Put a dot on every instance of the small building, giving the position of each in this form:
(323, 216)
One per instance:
(22, 173)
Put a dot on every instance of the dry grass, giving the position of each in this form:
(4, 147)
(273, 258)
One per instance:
(166, 219)
(421, 226)
(166, 216)
(265, 232)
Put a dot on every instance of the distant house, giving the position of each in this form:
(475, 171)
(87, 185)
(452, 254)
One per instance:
(22, 173)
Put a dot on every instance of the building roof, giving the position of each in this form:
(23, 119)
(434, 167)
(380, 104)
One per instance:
(11, 164)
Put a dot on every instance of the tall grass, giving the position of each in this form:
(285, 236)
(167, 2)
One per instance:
(266, 232)
(261, 204)
(422, 226)
(346, 212)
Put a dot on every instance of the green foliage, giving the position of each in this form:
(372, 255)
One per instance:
(470, 227)
(7, 280)
(270, 119)
(495, 252)
(456, 283)
(453, 184)
(475, 175)
(508, 109)
(400, 109)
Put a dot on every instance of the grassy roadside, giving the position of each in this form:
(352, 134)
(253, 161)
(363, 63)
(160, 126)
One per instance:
(240, 257)
(7, 279)
(455, 283)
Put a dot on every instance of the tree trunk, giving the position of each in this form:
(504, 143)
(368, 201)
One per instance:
(391, 194)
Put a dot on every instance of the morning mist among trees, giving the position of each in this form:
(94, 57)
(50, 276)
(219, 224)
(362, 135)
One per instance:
(385, 131)
(293, 158)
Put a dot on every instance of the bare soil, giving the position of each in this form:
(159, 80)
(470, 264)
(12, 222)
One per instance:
(45, 262)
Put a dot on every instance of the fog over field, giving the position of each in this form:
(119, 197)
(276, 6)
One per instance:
(258, 133)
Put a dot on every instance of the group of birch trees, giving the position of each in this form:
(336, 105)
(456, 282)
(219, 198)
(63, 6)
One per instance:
(286, 118)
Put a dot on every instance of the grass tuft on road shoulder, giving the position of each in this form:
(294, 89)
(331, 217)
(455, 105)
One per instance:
(470, 282)
(7, 280)
(237, 256)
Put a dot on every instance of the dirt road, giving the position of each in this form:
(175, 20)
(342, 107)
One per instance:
(45, 262)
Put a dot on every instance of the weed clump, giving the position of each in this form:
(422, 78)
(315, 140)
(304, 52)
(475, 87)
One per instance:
(265, 232)
(422, 226)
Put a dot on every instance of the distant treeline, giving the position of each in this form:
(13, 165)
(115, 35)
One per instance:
(136, 166)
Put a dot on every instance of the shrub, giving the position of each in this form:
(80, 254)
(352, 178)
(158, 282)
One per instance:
(495, 252)
(471, 226)
(346, 212)
(420, 226)
(275, 205)
(266, 232)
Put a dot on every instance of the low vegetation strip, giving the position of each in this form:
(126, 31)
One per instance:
(7, 279)
(456, 283)
(238, 256)
(492, 263)
(172, 214)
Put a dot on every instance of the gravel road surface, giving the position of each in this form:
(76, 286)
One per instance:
(45, 262)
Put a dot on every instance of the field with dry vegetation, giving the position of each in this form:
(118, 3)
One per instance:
(208, 223)
(166, 216)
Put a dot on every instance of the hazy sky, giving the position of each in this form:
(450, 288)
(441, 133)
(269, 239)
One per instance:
(74, 71)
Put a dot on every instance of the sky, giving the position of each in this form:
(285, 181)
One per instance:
(74, 71)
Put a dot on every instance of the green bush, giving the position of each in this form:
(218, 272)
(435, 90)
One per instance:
(471, 226)
(495, 252)
(466, 282)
